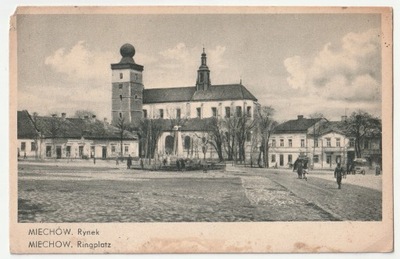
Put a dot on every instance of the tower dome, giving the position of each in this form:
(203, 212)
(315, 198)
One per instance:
(127, 52)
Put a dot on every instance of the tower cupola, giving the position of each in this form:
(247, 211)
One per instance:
(203, 74)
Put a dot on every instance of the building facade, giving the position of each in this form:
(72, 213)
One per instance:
(62, 137)
(193, 105)
(324, 143)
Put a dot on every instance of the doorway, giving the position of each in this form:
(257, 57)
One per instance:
(104, 153)
(58, 152)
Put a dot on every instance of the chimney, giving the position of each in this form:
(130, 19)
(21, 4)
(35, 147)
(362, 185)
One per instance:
(344, 118)
(299, 117)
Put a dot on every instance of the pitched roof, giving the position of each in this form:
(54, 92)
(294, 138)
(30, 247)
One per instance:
(332, 126)
(296, 126)
(186, 94)
(163, 95)
(25, 127)
(72, 128)
(224, 92)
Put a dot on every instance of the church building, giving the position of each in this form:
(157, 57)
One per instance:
(131, 102)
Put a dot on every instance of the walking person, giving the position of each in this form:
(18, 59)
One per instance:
(129, 162)
(338, 175)
(300, 169)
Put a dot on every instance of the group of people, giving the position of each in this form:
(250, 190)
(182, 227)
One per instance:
(302, 168)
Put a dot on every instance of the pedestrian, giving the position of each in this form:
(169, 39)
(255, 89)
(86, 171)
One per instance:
(129, 162)
(305, 170)
(300, 169)
(178, 165)
(24, 155)
(377, 170)
(338, 175)
(94, 160)
(141, 163)
(182, 164)
(117, 160)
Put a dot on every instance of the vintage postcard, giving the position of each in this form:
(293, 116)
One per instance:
(201, 130)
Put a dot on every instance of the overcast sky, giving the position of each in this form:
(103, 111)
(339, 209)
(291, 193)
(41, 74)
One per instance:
(297, 63)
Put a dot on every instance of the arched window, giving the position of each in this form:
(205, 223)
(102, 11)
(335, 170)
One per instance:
(187, 143)
(169, 144)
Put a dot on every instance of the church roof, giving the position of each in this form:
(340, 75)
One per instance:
(187, 94)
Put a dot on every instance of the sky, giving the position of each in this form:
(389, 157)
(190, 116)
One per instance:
(299, 64)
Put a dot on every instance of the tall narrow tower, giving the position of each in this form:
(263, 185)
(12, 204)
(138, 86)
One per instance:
(203, 74)
(127, 88)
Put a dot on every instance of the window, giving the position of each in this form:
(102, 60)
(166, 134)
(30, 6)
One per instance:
(248, 111)
(290, 143)
(227, 112)
(214, 111)
(33, 146)
(136, 96)
(23, 145)
(198, 110)
(161, 112)
(316, 159)
(238, 111)
(273, 158)
(316, 143)
(281, 143)
(126, 149)
(328, 142)
(352, 143)
(145, 114)
(178, 113)
(120, 86)
(302, 143)
(48, 151)
(273, 143)
(328, 160)
(338, 142)
(120, 115)
(121, 75)
(112, 148)
(120, 97)
(289, 158)
(338, 159)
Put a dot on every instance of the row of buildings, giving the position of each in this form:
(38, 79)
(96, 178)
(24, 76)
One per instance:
(323, 142)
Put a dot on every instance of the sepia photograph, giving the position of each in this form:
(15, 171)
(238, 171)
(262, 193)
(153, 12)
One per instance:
(208, 117)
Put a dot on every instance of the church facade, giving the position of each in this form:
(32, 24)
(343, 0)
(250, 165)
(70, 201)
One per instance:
(131, 102)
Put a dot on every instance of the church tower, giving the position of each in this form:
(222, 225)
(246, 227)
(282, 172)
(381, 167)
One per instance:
(127, 88)
(203, 74)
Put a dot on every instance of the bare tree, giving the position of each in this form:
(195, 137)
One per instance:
(266, 125)
(216, 136)
(150, 131)
(362, 125)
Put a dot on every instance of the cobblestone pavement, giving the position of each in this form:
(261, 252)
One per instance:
(105, 193)
(352, 202)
